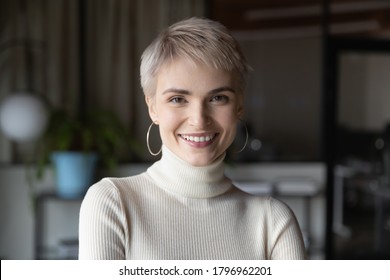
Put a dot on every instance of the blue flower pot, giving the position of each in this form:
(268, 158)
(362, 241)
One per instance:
(74, 172)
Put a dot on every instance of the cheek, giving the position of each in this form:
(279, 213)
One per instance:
(228, 120)
(233, 129)
(229, 116)
(168, 121)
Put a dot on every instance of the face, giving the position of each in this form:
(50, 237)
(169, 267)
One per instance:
(197, 108)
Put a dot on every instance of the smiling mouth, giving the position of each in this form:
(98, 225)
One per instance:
(198, 139)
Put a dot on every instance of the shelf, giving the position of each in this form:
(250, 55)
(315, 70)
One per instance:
(66, 248)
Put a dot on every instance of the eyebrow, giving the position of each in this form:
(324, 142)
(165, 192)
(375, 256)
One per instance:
(221, 89)
(186, 92)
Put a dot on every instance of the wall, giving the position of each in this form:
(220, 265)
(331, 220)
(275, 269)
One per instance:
(364, 90)
(283, 101)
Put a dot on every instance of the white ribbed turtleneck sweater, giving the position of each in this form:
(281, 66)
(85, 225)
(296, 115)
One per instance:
(178, 211)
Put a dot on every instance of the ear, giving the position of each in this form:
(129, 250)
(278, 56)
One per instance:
(150, 101)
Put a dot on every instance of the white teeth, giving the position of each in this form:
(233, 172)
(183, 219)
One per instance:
(198, 139)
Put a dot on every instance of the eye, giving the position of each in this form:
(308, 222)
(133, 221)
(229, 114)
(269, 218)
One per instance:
(177, 100)
(220, 99)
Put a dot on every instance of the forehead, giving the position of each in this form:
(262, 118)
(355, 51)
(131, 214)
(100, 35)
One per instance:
(189, 74)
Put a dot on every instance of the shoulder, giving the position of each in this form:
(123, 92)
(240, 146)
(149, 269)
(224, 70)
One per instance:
(265, 200)
(111, 185)
(268, 205)
(279, 208)
(279, 212)
(115, 190)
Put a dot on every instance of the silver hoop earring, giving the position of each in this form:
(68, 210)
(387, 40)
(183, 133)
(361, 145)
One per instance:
(147, 141)
(246, 137)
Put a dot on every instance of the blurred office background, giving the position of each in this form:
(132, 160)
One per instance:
(317, 109)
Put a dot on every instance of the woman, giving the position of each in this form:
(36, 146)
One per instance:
(183, 207)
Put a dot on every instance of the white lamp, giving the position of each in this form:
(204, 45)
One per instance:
(23, 116)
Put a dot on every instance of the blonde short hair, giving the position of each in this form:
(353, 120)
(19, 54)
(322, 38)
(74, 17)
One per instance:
(198, 39)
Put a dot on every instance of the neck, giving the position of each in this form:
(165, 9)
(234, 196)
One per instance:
(177, 176)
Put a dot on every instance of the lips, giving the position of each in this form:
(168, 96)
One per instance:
(199, 138)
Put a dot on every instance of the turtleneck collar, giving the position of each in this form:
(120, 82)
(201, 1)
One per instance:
(177, 176)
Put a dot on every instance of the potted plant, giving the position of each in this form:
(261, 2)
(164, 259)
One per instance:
(75, 145)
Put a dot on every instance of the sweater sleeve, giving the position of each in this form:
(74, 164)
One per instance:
(102, 224)
(287, 241)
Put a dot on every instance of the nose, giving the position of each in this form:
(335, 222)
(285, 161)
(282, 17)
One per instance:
(199, 116)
